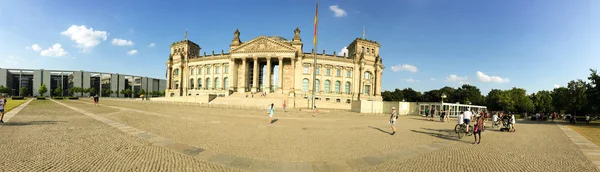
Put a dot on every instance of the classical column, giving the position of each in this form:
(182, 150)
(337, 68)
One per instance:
(255, 76)
(231, 74)
(204, 86)
(169, 82)
(280, 78)
(242, 88)
(294, 72)
(212, 77)
(268, 78)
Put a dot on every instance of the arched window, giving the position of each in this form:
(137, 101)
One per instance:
(318, 87)
(208, 86)
(192, 83)
(199, 83)
(305, 85)
(337, 87)
(327, 86)
(368, 75)
(347, 88)
(226, 82)
(176, 72)
(217, 86)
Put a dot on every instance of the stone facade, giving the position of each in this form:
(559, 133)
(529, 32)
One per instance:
(277, 66)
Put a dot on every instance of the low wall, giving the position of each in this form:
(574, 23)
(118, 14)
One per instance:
(403, 108)
(191, 99)
(321, 104)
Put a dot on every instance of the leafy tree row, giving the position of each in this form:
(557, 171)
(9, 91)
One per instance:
(578, 97)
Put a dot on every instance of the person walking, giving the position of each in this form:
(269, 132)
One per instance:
(284, 105)
(443, 116)
(432, 113)
(271, 112)
(315, 111)
(426, 113)
(477, 129)
(96, 99)
(393, 119)
(2, 103)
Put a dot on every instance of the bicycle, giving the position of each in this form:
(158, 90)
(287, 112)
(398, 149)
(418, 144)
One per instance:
(496, 124)
(460, 130)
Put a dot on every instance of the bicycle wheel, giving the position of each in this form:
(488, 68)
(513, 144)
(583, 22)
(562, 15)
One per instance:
(459, 130)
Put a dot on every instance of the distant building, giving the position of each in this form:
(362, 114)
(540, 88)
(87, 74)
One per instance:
(15, 79)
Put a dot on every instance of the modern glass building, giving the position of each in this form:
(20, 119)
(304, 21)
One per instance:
(104, 83)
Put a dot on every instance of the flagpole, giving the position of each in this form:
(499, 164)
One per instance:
(315, 57)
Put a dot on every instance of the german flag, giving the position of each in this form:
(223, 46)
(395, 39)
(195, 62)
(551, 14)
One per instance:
(316, 24)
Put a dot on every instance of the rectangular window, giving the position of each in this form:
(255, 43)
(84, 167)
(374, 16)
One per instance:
(305, 69)
(318, 71)
(226, 69)
(327, 72)
(348, 74)
(367, 90)
(338, 73)
(217, 70)
(207, 70)
(191, 71)
(199, 70)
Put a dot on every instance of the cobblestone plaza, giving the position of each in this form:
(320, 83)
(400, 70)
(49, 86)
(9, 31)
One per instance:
(74, 135)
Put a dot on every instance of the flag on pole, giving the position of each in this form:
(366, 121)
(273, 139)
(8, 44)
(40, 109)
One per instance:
(316, 23)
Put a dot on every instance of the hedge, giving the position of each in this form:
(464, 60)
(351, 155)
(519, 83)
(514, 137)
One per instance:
(18, 98)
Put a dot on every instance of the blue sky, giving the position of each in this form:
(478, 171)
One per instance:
(426, 44)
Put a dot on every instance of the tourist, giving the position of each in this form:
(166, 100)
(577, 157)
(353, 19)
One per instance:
(442, 116)
(467, 119)
(271, 112)
(393, 119)
(426, 113)
(432, 113)
(587, 119)
(477, 129)
(494, 118)
(554, 116)
(461, 117)
(315, 111)
(512, 123)
(2, 103)
(537, 117)
(284, 106)
(96, 99)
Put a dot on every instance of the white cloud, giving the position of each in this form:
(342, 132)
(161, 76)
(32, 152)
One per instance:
(411, 80)
(556, 86)
(34, 47)
(495, 79)
(152, 44)
(121, 42)
(404, 67)
(344, 50)
(86, 38)
(55, 51)
(456, 78)
(132, 52)
(337, 11)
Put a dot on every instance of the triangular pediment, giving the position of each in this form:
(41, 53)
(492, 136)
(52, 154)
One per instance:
(264, 44)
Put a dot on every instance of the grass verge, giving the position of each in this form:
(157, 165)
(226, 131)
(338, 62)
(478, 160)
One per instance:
(590, 132)
(11, 104)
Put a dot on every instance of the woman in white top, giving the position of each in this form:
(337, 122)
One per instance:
(512, 119)
(393, 119)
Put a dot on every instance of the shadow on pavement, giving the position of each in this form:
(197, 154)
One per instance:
(380, 130)
(441, 136)
(31, 123)
(274, 121)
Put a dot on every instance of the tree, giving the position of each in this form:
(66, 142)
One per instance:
(43, 89)
(593, 92)
(492, 100)
(560, 99)
(4, 89)
(24, 91)
(58, 91)
(411, 95)
(127, 92)
(542, 101)
(506, 101)
(142, 92)
(92, 91)
(577, 95)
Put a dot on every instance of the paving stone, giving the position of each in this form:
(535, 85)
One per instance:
(302, 167)
(357, 163)
(262, 166)
(283, 166)
(164, 142)
(319, 166)
(242, 163)
(338, 165)
(372, 160)
(206, 155)
(144, 136)
(222, 159)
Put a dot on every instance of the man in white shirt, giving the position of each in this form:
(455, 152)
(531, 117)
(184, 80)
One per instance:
(2, 103)
(467, 119)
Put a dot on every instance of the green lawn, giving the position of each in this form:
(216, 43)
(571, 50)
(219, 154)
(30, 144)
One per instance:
(590, 132)
(11, 104)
